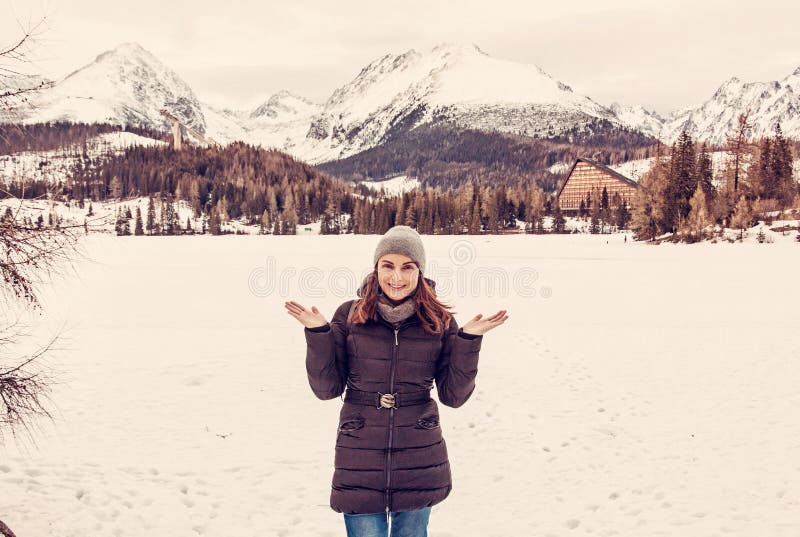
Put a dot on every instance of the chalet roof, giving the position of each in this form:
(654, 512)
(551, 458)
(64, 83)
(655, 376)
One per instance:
(615, 174)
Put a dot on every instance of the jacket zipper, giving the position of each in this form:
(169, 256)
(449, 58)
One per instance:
(391, 425)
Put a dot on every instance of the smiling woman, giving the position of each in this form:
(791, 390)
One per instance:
(397, 275)
(385, 351)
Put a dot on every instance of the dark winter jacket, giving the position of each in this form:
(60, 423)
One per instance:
(390, 458)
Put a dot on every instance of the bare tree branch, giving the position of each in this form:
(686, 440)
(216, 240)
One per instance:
(5, 530)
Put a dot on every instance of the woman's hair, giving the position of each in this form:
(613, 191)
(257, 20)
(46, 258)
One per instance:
(435, 315)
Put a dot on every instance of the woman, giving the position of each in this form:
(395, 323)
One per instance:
(387, 349)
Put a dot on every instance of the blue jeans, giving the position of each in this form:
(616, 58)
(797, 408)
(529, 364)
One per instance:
(404, 524)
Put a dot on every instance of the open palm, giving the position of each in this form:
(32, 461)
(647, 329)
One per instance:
(478, 325)
(310, 318)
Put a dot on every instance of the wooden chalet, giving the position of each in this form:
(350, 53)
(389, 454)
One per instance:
(588, 176)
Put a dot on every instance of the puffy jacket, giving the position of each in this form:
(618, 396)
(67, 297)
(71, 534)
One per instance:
(393, 459)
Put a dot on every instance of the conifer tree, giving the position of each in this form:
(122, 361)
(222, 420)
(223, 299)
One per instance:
(622, 215)
(138, 228)
(738, 146)
(475, 218)
(648, 212)
(698, 218)
(594, 223)
(782, 163)
(559, 222)
(290, 219)
(742, 217)
(151, 227)
(763, 182)
(215, 222)
(682, 181)
(705, 176)
(266, 225)
(164, 226)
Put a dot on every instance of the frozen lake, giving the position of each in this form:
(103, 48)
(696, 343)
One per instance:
(635, 390)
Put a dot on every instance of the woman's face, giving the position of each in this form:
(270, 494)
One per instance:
(397, 275)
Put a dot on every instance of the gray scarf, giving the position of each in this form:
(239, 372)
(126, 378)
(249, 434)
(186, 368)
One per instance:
(395, 314)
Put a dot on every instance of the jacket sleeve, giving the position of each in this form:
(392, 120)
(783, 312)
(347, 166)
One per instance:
(457, 366)
(326, 356)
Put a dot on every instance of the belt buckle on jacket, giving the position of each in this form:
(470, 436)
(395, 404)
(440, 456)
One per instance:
(387, 400)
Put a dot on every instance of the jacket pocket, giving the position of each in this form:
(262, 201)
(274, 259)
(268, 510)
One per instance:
(351, 424)
(428, 422)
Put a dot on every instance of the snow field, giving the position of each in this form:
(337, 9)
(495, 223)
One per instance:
(641, 390)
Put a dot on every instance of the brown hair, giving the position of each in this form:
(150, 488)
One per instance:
(435, 315)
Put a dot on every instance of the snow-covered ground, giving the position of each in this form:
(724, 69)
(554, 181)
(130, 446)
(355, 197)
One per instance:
(635, 390)
(720, 160)
(57, 165)
(103, 217)
(394, 186)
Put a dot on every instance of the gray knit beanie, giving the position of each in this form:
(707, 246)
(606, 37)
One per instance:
(401, 240)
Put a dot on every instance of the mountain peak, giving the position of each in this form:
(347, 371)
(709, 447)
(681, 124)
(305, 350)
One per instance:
(128, 49)
(129, 46)
(456, 47)
(284, 105)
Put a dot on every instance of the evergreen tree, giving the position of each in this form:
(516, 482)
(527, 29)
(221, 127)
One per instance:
(290, 219)
(648, 213)
(138, 228)
(738, 146)
(559, 222)
(164, 225)
(215, 222)
(698, 218)
(705, 177)
(766, 185)
(266, 224)
(475, 218)
(742, 217)
(682, 181)
(782, 163)
(151, 227)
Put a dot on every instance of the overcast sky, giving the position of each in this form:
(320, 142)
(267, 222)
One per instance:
(663, 55)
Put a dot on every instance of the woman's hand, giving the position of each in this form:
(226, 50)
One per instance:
(477, 326)
(309, 318)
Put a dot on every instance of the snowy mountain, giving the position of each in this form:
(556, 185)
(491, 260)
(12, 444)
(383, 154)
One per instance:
(455, 84)
(459, 84)
(124, 85)
(638, 118)
(279, 122)
(768, 102)
(284, 107)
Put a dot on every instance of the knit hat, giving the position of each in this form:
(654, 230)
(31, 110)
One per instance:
(401, 240)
